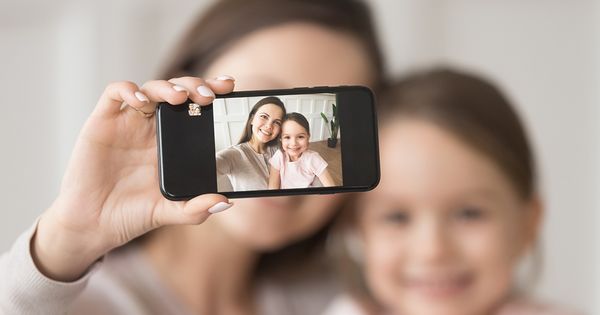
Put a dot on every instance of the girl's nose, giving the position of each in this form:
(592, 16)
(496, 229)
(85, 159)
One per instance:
(431, 243)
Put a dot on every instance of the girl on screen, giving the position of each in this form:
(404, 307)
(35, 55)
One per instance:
(294, 165)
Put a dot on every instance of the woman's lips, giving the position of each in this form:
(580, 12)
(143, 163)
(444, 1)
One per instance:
(265, 133)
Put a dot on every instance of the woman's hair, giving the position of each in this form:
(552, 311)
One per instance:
(472, 109)
(465, 105)
(227, 21)
(247, 135)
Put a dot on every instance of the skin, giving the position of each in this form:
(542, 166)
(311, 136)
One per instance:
(97, 210)
(444, 230)
(294, 141)
(266, 125)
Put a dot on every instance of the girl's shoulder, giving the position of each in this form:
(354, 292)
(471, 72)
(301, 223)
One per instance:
(343, 304)
(523, 306)
(310, 154)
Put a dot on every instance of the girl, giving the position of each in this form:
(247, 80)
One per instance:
(294, 165)
(456, 210)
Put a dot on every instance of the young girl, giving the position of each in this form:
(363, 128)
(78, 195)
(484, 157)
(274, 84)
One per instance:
(455, 212)
(294, 165)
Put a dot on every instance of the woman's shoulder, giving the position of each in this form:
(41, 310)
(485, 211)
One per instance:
(126, 284)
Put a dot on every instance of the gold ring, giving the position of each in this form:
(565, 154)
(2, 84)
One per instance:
(146, 115)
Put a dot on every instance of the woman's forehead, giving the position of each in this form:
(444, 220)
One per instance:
(270, 109)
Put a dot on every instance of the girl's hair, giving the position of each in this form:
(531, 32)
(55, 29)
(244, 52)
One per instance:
(467, 106)
(298, 118)
(247, 135)
(227, 21)
(472, 109)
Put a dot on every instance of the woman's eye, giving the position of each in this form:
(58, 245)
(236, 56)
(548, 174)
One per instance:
(278, 123)
(263, 116)
(470, 213)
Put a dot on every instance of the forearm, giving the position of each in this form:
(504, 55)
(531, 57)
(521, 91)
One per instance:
(274, 179)
(25, 290)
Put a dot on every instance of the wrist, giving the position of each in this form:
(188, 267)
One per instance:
(60, 253)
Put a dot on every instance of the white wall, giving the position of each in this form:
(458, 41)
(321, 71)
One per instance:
(56, 57)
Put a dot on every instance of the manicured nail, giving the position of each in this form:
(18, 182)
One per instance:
(221, 206)
(224, 78)
(140, 96)
(204, 91)
(180, 88)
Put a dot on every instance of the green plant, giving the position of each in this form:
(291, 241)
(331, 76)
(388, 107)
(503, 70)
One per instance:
(334, 123)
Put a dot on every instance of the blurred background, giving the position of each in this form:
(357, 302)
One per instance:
(57, 56)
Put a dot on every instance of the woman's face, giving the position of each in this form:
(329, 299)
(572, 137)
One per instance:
(266, 123)
(444, 229)
(294, 139)
(284, 57)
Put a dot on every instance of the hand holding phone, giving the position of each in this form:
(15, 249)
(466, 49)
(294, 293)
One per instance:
(108, 194)
(269, 143)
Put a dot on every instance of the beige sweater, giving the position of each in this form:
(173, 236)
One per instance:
(124, 283)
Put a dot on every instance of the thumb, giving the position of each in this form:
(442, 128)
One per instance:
(194, 211)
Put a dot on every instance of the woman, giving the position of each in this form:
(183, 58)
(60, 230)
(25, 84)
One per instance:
(244, 166)
(109, 194)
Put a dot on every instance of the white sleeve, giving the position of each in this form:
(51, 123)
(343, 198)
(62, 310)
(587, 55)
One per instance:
(25, 290)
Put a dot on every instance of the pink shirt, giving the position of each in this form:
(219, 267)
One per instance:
(300, 173)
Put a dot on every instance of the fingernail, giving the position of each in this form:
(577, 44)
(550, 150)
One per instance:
(140, 96)
(180, 88)
(221, 206)
(224, 78)
(204, 91)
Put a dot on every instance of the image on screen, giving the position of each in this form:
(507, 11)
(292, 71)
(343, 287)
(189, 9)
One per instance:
(277, 142)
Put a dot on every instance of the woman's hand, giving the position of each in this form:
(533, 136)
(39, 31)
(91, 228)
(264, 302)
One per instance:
(110, 193)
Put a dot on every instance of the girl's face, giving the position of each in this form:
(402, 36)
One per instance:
(269, 223)
(294, 139)
(444, 229)
(266, 123)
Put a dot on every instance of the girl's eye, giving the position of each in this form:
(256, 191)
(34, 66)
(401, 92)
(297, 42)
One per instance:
(470, 213)
(397, 217)
(300, 137)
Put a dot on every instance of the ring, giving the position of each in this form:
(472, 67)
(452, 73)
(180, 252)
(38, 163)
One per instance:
(146, 115)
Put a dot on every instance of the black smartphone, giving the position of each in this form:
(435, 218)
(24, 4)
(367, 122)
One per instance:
(316, 140)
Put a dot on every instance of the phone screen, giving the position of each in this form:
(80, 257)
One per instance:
(277, 142)
(269, 143)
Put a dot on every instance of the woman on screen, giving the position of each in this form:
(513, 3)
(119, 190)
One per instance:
(244, 166)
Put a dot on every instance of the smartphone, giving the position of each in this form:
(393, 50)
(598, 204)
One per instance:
(317, 140)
